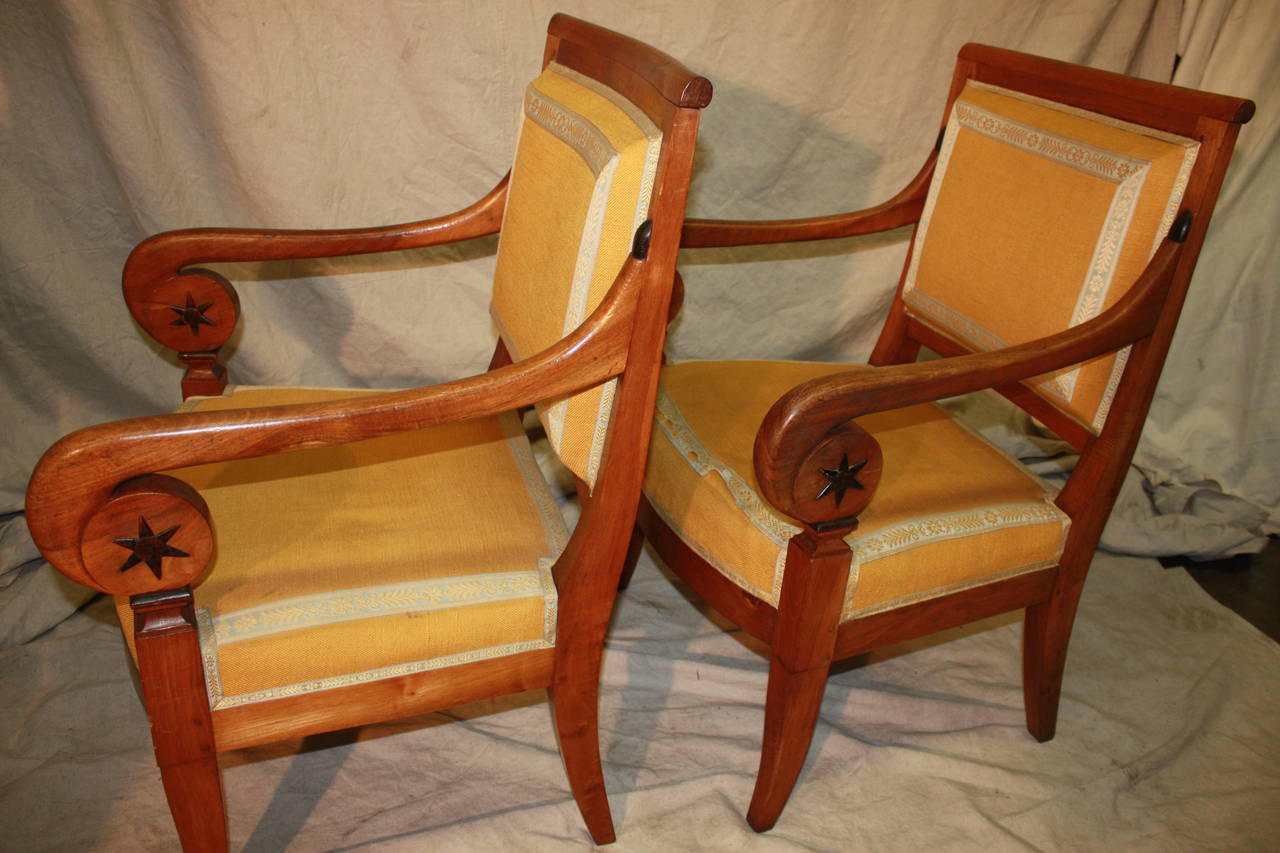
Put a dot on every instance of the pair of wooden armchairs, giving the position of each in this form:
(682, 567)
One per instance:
(289, 561)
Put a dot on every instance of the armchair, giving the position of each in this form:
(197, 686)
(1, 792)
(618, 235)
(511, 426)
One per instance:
(830, 509)
(289, 561)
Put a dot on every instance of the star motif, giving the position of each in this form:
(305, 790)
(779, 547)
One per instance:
(192, 315)
(842, 479)
(150, 548)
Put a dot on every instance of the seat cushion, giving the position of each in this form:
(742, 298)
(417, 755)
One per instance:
(951, 510)
(1072, 205)
(395, 555)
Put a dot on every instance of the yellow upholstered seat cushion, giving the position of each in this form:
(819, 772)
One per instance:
(951, 510)
(1038, 218)
(388, 556)
(580, 186)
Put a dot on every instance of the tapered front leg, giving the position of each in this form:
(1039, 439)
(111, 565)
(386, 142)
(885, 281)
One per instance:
(173, 687)
(817, 571)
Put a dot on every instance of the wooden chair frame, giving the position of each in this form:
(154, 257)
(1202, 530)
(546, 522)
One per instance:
(91, 486)
(809, 428)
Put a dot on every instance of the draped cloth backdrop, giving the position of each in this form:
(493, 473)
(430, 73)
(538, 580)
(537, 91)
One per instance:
(121, 119)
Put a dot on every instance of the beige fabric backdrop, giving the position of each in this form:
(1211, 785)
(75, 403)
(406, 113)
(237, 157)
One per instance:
(118, 119)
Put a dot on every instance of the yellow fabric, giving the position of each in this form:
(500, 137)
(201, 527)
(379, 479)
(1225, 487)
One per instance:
(393, 555)
(1039, 217)
(950, 510)
(580, 186)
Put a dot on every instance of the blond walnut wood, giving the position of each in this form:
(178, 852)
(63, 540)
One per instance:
(171, 674)
(153, 534)
(803, 416)
(161, 284)
(387, 699)
(78, 482)
(78, 472)
(807, 423)
(192, 311)
(205, 376)
(838, 478)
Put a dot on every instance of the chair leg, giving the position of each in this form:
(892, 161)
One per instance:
(574, 705)
(804, 641)
(633, 557)
(1046, 632)
(194, 792)
(790, 714)
(173, 688)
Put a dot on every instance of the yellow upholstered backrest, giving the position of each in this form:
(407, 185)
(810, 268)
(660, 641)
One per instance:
(1039, 217)
(580, 186)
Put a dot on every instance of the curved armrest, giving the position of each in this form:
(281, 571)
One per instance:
(194, 311)
(164, 254)
(903, 209)
(805, 417)
(80, 475)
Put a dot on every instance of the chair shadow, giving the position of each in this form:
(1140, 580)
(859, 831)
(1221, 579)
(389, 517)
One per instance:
(318, 759)
(312, 771)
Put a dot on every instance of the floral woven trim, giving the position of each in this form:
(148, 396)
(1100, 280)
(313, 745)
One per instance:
(760, 515)
(570, 127)
(554, 530)
(1140, 129)
(769, 596)
(1191, 147)
(702, 460)
(928, 530)
(641, 120)
(1100, 162)
(1109, 166)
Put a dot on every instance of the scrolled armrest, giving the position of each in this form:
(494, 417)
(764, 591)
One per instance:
(79, 475)
(802, 418)
(903, 209)
(195, 310)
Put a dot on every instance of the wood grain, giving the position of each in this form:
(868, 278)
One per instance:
(804, 415)
(803, 644)
(77, 474)
(79, 479)
(806, 426)
(171, 673)
(902, 209)
(244, 726)
(154, 533)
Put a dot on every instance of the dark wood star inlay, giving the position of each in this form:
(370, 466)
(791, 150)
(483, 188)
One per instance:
(192, 315)
(841, 479)
(150, 548)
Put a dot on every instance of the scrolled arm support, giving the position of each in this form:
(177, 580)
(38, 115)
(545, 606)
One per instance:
(152, 534)
(802, 419)
(836, 480)
(194, 311)
(80, 474)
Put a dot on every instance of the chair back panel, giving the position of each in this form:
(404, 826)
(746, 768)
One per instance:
(1072, 205)
(580, 186)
